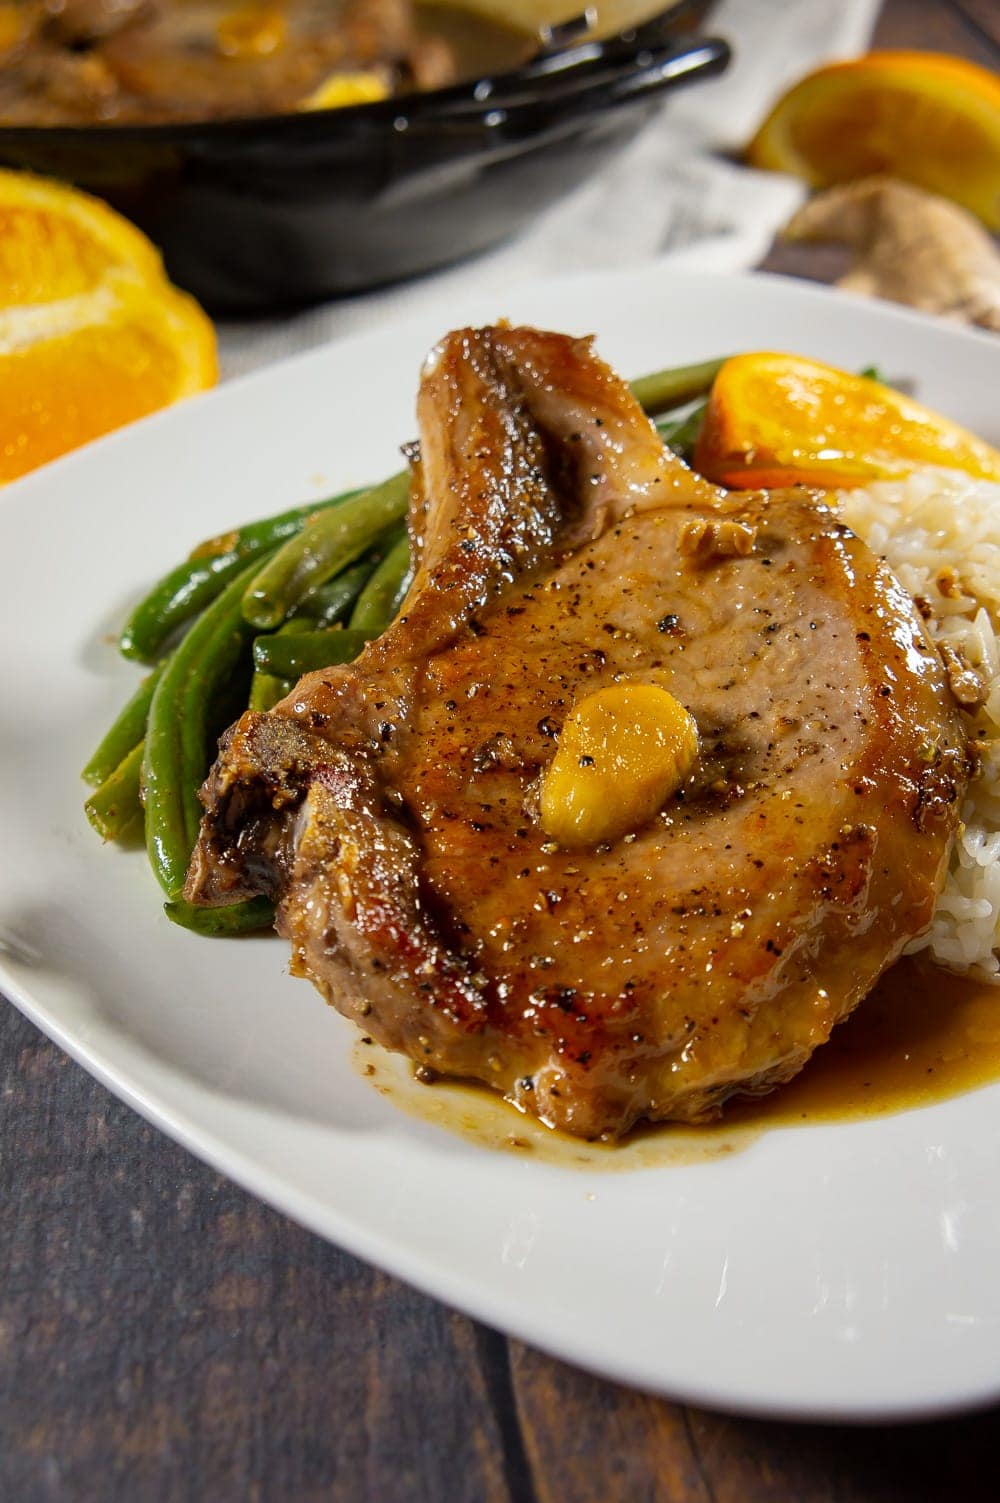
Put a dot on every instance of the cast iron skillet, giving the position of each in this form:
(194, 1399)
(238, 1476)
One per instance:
(269, 213)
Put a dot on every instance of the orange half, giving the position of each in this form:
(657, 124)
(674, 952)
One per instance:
(930, 119)
(92, 334)
(775, 420)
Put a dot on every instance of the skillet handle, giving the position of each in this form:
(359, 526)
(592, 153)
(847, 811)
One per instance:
(632, 76)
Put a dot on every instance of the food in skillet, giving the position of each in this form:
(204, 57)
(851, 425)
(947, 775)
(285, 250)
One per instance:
(79, 62)
(769, 765)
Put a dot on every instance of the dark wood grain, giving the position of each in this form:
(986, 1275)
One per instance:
(968, 28)
(592, 1443)
(164, 1336)
(982, 18)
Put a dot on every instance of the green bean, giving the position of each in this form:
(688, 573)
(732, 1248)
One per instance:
(328, 544)
(194, 584)
(667, 427)
(664, 390)
(177, 597)
(329, 603)
(235, 918)
(177, 733)
(383, 594)
(290, 657)
(268, 532)
(682, 435)
(264, 692)
(126, 730)
(115, 808)
(265, 688)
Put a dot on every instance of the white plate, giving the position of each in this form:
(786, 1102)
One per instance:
(839, 1271)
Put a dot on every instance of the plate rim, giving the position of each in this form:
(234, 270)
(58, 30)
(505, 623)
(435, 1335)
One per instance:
(265, 1183)
(421, 1274)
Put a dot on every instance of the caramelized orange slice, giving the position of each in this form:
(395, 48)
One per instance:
(92, 334)
(776, 420)
(931, 119)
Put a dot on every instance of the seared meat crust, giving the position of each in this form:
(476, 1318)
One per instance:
(390, 806)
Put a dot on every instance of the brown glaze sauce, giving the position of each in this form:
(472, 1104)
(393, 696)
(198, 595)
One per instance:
(922, 1036)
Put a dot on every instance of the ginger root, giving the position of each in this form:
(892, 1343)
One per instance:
(912, 247)
(622, 753)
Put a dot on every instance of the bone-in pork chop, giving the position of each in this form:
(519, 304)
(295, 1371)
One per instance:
(391, 806)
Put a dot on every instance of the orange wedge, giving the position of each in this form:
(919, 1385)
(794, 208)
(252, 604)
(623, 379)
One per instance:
(92, 335)
(776, 420)
(930, 119)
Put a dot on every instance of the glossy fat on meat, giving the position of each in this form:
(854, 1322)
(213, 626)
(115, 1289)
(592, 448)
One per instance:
(391, 806)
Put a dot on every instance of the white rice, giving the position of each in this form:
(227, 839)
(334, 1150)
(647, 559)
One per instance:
(939, 531)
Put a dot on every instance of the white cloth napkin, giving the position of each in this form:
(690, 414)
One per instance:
(672, 195)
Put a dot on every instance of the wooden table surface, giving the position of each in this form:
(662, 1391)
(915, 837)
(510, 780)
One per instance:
(165, 1336)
